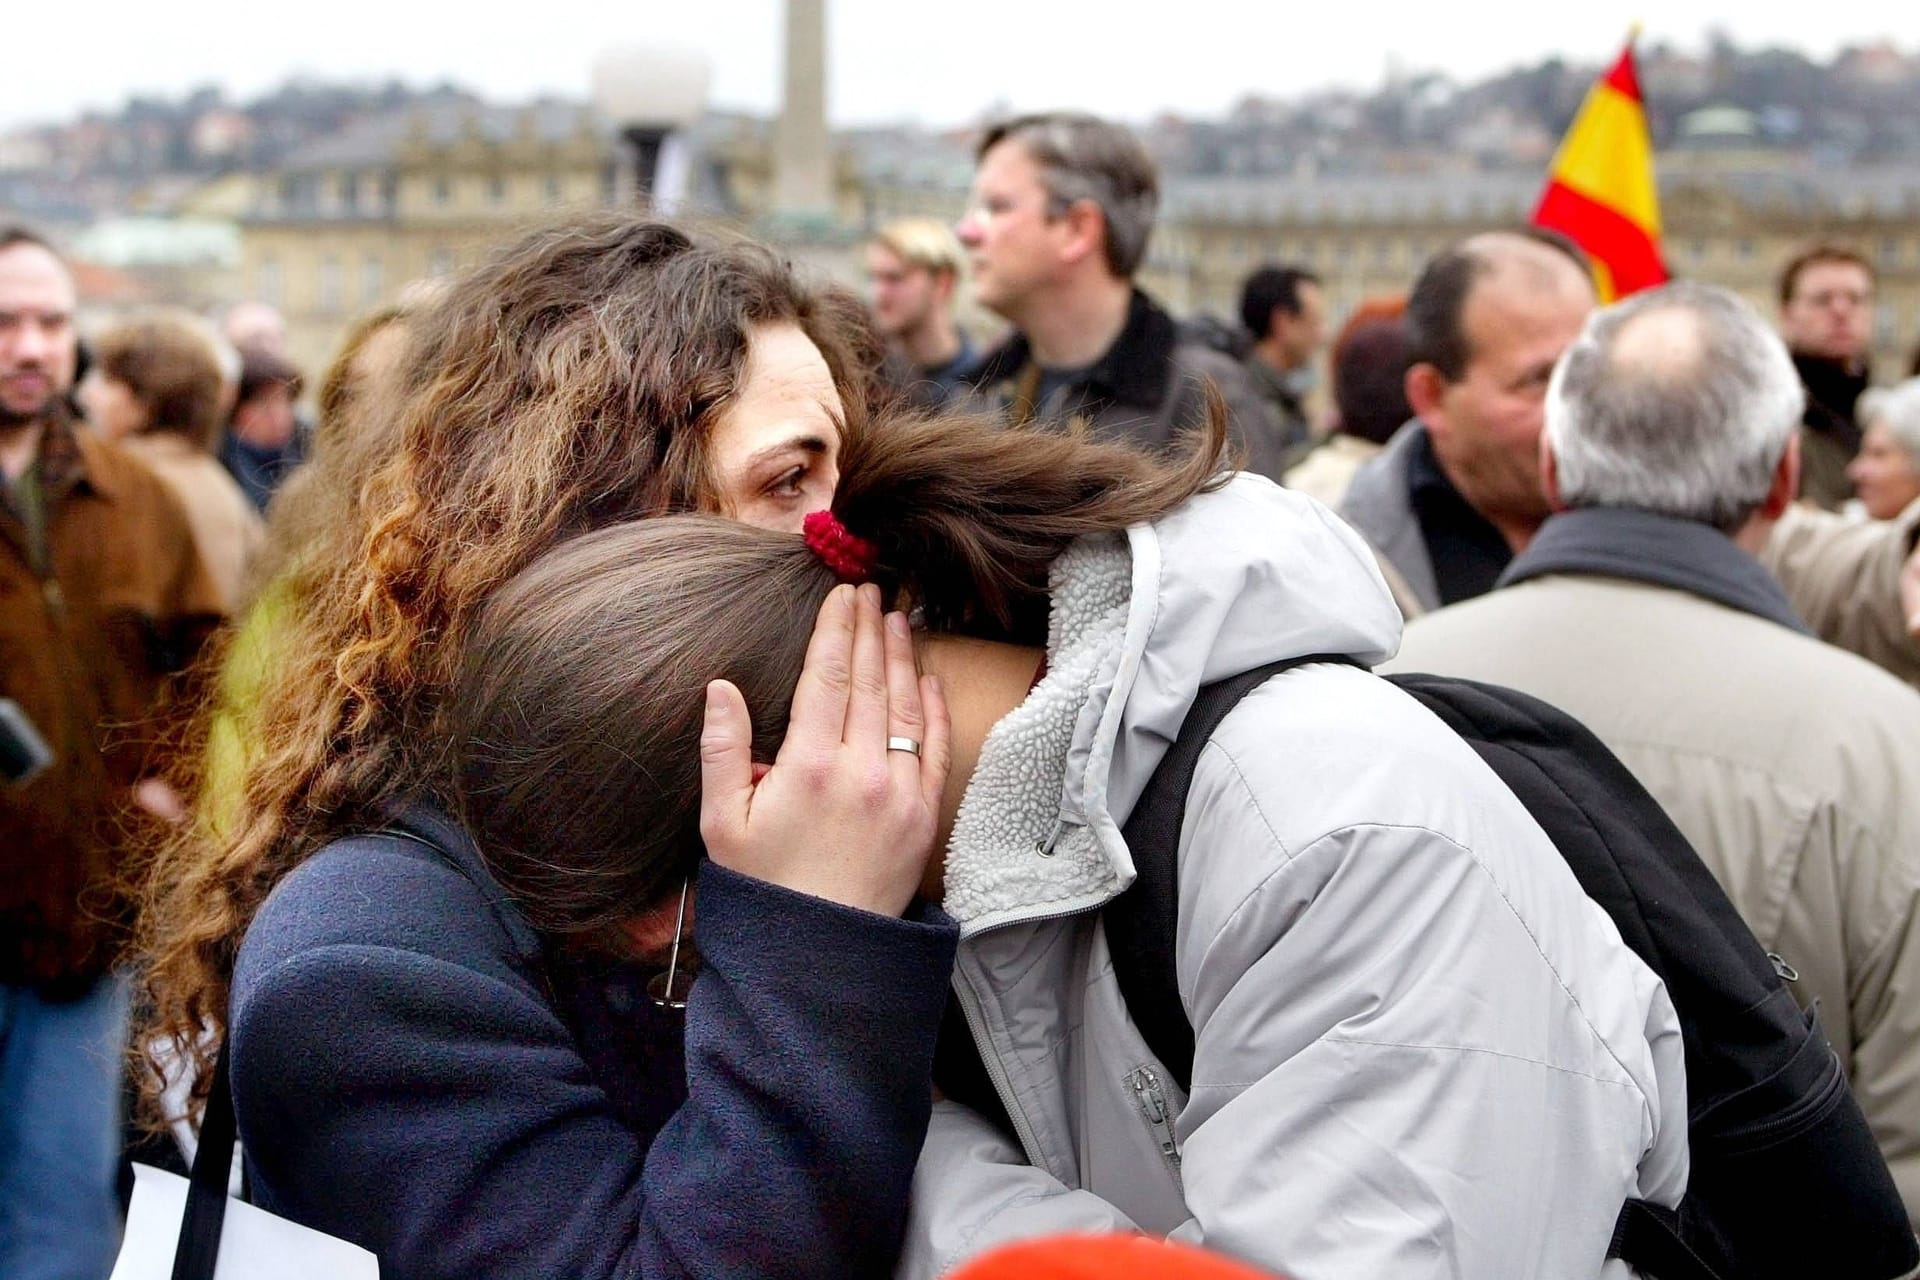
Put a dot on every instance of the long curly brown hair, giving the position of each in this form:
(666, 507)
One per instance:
(569, 383)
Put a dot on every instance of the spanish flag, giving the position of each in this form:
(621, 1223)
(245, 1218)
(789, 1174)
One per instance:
(1601, 191)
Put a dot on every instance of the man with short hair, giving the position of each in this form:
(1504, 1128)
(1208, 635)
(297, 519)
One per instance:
(1055, 230)
(1285, 315)
(913, 271)
(263, 443)
(1456, 492)
(1670, 451)
(1826, 316)
(102, 600)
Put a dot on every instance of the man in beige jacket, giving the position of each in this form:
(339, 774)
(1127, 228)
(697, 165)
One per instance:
(1668, 454)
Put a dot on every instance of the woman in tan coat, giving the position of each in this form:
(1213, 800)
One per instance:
(155, 386)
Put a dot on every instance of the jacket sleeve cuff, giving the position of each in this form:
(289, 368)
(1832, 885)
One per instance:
(773, 937)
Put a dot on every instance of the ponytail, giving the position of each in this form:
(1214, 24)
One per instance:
(579, 698)
(967, 516)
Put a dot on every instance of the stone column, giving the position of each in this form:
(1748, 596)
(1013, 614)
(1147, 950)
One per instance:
(802, 149)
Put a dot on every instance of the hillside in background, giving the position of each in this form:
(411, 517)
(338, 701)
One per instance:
(1860, 107)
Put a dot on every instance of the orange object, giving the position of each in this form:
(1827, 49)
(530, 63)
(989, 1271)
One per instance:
(1601, 191)
(1106, 1257)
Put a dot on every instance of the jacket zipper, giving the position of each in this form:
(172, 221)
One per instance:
(1152, 1101)
(970, 999)
(990, 1059)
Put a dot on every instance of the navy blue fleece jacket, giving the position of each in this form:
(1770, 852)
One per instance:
(415, 1070)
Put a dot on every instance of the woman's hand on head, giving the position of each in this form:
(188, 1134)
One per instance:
(838, 815)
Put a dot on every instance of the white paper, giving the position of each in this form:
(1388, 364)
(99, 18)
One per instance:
(254, 1245)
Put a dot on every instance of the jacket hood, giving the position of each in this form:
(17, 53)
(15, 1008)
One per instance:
(1244, 576)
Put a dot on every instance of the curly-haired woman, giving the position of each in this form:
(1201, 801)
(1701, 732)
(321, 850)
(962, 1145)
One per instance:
(463, 1081)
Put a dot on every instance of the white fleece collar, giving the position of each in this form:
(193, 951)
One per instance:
(1230, 580)
(1015, 853)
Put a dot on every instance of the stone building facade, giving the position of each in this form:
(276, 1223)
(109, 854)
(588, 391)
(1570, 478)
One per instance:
(349, 221)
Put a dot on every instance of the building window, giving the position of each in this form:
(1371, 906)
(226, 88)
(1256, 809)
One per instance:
(553, 186)
(350, 192)
(329, 294)
(1889, 252)
(496, 189)
(268, 285)
(372, 279)
(439, 262)
(442, 190)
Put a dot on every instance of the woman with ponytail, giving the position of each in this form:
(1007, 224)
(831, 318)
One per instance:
(472, 1079)
(1419, 1049)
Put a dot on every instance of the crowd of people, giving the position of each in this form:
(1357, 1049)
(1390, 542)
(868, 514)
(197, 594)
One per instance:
(638, 781)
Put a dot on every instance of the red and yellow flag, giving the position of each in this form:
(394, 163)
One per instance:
(1601, 191)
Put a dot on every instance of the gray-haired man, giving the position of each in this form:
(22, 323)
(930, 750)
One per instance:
(1057, 226)
(1670, 451)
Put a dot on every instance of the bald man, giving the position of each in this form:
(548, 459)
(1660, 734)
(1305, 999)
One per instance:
(1672, 449)
(256, 326)
(1456, 493)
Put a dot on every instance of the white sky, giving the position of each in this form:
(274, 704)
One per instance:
(891, 60)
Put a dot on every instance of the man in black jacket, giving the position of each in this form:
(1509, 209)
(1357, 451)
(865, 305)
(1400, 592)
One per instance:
(1057, 225)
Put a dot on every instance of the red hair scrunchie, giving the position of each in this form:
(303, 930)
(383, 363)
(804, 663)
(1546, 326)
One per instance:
(851, 557)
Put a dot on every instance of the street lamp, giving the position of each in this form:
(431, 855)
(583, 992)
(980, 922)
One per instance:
(648, 92)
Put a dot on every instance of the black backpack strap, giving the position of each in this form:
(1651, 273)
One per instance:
(1140, 923)
(1649, 1237)
(206, 1213)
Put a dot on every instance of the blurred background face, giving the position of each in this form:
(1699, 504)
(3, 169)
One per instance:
(266, 419)
(1831, 311)
(1885, 476)
(1007, 231)
(111, 406)
(1301, 336)
(37, 342)
(903, 294)
(1486, 428)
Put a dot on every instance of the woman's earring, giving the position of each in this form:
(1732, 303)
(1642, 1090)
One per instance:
(669, 990)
